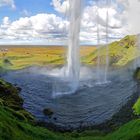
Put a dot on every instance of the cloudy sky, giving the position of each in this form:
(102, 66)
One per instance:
(46, 21)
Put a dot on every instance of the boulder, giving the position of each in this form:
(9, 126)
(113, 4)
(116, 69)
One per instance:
(48, 112)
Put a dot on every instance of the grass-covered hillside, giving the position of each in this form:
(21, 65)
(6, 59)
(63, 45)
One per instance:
(17, 124)
(119, 52)
(18, 57)
(13, 128)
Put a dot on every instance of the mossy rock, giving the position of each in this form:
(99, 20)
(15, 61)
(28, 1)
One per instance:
(9, 97)
(137, 74)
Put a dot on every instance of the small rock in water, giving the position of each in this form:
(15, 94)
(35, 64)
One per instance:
(55, 118)
(18, 88)
(48, 112)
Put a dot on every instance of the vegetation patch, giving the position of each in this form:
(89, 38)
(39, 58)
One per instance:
(136, 107)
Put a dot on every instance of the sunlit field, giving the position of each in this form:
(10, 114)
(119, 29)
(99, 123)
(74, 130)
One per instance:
(20, 57)
(17, 57)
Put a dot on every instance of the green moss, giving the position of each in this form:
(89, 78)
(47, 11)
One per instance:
(9, 95)
(137, 74)
(136, 107)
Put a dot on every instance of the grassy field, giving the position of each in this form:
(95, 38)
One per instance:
(18, 57)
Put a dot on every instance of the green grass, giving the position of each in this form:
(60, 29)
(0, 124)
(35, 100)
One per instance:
(136, 107)
(120, 52)
(22, 57)
(11, 128)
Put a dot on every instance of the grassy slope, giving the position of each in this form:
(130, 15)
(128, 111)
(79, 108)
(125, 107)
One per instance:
(11, 128)
(120, 52)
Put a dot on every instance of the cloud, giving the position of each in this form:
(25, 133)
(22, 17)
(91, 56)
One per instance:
(131, 14)
(25, 12)
(45, 26)
(61, 6)
(10, 3)
(6, 21)
(91, 21)
(55, 28)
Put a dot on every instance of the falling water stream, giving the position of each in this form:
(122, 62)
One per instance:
(102, 71)
(73, 57)
(107, 37)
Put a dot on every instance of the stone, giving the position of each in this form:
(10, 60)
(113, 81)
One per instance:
(48, 112)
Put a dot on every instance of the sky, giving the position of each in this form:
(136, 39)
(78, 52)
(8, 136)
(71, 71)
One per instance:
(46, 22)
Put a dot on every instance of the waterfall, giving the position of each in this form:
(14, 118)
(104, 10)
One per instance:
(107, 49)
(102, 72)
(73, 56)
(99, 47)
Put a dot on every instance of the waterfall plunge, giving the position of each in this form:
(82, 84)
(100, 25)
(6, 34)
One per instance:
(102, 72)
(73, 56)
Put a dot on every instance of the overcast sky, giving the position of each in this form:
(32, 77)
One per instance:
(46, 21)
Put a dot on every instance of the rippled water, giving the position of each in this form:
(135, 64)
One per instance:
(91, 104)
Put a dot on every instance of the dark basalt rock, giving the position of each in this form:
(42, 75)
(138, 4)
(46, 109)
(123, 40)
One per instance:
(55, 118)
(48, 112)
(18, 88)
